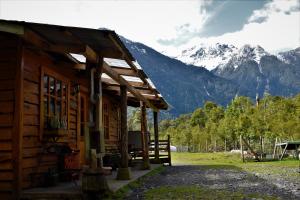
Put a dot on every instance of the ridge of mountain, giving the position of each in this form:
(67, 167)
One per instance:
(185, 87)
(248, 71)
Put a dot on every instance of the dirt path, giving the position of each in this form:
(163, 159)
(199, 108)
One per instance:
(212, 177)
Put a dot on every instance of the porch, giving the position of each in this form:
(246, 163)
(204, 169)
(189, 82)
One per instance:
(72, 190)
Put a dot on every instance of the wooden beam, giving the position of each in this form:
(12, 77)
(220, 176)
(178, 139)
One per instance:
(117, 88)
(125, 71)
(42, 43)
(131, 64)
(11, 28)
(114, 75)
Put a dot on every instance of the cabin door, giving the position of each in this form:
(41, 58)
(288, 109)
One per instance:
(83, 125)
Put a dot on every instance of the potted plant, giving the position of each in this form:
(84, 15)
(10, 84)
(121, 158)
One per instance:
(56, 126)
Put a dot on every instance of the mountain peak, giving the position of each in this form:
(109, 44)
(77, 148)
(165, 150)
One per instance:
(248, 52)
(208, 56)
(218, 55)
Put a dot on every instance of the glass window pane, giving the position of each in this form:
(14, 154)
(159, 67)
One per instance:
(64, 91)
(58, 88)
(46, 122)
(65, 108)
(52, 106)
(45, 106)
(52, 85)
(58, 108)
(45, 84)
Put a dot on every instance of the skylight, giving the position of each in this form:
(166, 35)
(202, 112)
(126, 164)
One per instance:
(80, 58)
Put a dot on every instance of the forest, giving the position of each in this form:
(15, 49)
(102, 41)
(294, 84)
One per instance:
(214, 128)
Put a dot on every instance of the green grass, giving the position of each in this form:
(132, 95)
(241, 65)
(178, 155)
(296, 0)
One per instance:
(122, 192)
(286, 168)
(197, 192)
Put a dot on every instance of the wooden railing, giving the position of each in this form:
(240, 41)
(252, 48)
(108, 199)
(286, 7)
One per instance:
(164, 151)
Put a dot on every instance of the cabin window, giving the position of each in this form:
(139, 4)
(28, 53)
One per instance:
(55, 102)
(106, 120)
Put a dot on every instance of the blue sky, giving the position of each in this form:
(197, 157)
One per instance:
(169, 26)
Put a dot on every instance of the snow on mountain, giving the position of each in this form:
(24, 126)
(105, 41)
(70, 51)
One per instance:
(208, 56)
(288, 57)
(244, 54)
(220, 55)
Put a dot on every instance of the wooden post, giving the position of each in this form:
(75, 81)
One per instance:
(275, 147)
(250, 148)
(261, 147)
(156, 145)
(242, 149)
(17, 141)
(124, 171)
(169, 150)
(99, 110)
(283, 151)
(146, 162)
(215, 145)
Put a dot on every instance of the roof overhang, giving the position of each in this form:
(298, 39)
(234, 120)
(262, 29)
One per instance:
(118, 63)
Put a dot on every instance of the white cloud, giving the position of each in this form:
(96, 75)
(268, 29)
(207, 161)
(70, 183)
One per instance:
(148, 21)
(279, 29)
(143, 21)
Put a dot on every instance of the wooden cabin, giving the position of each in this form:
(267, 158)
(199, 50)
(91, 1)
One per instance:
(64, 87)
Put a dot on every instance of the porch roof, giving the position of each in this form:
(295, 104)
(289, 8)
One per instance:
(119, 64)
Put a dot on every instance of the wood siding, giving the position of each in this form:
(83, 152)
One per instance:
(36, 160)
(9, 62)
(112, 143)
(23, 152)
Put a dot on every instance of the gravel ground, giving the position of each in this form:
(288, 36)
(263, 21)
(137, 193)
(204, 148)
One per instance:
(218, 178)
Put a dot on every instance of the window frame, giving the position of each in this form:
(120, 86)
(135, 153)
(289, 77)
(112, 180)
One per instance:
(57, 77)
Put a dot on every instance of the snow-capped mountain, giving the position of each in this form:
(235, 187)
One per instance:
(220, 55)
(185, 87)
(245, 54)
(208, 56)
(290, 57)
(234, 71)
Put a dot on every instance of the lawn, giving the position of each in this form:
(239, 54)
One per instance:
(285, 168)
(145, 187)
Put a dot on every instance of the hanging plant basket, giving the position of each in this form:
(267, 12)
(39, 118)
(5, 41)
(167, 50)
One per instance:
(55, 132)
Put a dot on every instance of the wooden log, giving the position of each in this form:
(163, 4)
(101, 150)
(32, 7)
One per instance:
(145, 146)
(123, 171)
(124, 132)
(156, 142)
(283, 151)
(250, 148)
(274, 151)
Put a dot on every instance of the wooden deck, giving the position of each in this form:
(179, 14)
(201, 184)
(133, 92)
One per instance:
(73, 191)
